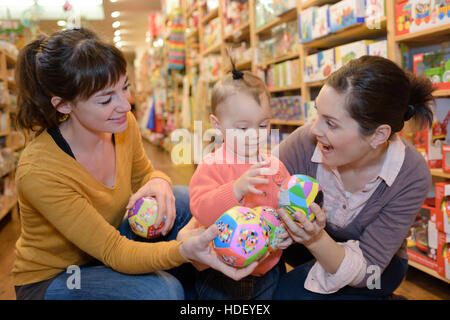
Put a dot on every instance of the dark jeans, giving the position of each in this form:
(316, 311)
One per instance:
(291, 285)
(99, 282)
(213, 285)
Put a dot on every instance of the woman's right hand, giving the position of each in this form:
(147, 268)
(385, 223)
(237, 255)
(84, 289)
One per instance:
(197, 248)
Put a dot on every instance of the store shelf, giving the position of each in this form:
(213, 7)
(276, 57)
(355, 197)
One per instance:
(288, 88)
(295, 123)
(4, 133)
(213, 49)
(438, 172)
(191, 11)
(427, 270)
(316, 84)
(192, 34)
(10, 60)
(211, 15)
(349, 34)
(287, 56)
(316, 3)
(240, 34)
(432, 34)
(7, 204)
(441, 93)
(285, 17)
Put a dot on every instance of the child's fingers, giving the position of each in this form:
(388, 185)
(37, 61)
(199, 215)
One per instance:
(254, 190)
(258, 180)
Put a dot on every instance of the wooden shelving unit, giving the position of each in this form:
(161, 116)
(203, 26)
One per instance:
(7, 62)
(249, 32)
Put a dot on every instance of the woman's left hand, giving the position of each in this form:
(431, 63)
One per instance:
(304, 231)
(162, 191)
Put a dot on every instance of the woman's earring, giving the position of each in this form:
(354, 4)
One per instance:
(373, 146)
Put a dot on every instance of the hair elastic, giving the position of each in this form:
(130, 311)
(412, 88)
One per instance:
(237, 74)
(411, 111)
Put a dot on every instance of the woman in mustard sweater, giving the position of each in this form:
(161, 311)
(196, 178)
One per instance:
(84, 168)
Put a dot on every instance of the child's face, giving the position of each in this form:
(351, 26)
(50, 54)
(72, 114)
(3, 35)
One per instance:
(243, 123)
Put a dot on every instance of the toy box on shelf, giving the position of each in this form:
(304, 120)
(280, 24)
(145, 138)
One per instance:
(282, 40)
(378, 48)
(287, 108)
(319, 66)
(429, 141)
(212, 33)
(375, 11)
(416, 15)
(418, 248)
(314, 22)
(439, 247)
(210, 67)
(346, 13)
(446, 158)
(283, 74)
(236, 13)
(350, 51)
(441, 216)
(435, 65)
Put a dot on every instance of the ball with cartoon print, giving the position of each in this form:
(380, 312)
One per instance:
(242, 237)
(271, 223)
(142, 217)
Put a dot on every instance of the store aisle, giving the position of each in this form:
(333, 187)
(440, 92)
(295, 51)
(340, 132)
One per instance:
(417, 284)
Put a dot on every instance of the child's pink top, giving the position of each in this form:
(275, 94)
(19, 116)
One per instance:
(211, 191)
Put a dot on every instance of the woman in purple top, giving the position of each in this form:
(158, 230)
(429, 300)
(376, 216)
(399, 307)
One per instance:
(374, 183)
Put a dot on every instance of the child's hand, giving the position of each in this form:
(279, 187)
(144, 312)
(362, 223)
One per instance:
(246, 183)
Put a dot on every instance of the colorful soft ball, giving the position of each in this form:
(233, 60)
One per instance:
(142, 217)
(297, 193)
(271, 223)
(241, 238)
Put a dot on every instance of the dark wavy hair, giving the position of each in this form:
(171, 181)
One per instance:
(71, 64)
(379, 92)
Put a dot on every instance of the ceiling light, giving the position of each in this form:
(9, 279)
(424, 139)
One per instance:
(116, 39)
(116, 24)
(112, 1)
(115, 14)
(117, 33)
(61, 23)
(118, 44)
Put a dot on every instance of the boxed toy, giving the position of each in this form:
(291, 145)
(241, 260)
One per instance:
(378, 48)
(446, 158)
(321, 22)
(319, 66)
(438, 243)
(375, 11)
(350, 51)
(435, 65)
(441, 216)
(305, 21)
(287, 108)
(346, 13)
(418, 242)
(429, 141)
(416, 15)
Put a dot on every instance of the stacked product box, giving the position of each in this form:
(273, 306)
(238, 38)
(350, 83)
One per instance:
(439, 228)
(435, 65)
(283, 74)
(417, 15)
(287, 108)
(429, 141)
(347, 13)
(314, 22)
(378, 48)
(319, 66)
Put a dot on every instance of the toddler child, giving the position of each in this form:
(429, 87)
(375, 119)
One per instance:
(238, 173)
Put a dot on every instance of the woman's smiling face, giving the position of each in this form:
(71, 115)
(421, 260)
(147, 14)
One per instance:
(338, 135)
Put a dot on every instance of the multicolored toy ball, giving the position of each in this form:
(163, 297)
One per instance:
(271, 223)
(298, 192)
(142, 218)
(242, 237)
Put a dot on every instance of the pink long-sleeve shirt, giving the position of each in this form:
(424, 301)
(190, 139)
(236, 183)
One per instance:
(211, 191)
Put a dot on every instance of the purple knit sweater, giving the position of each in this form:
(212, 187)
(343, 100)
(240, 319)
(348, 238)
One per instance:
(384, 222)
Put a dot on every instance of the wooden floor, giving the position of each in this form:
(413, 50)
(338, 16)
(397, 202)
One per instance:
(416, 286)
